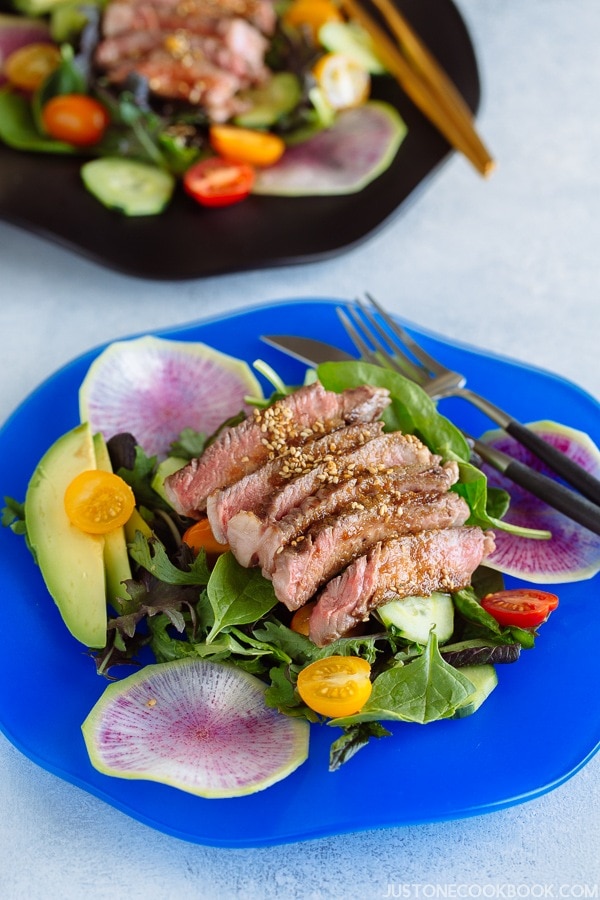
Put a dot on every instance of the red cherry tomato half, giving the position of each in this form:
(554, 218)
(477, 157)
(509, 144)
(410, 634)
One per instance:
(523, 607)
(218, 182)
(75, 118)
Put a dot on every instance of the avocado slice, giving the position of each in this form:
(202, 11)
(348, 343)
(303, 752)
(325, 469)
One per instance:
(116, 558)
(71, 561)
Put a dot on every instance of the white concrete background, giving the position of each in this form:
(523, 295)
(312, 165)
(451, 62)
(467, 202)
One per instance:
(510, 264)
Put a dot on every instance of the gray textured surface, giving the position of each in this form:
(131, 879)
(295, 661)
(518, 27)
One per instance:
(509, 264)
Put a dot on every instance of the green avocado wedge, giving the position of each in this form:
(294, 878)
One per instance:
(116, 557)
(71, 561)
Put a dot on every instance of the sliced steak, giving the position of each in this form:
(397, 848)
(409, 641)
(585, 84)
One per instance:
(269, 433)
(245, 531)
(331, 498)
(254, 491)
(415, 564)
(123, 16)
(203, 52)
(328, 547)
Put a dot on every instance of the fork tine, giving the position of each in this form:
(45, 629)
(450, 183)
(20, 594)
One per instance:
(365, 351)
(432, 364)
(413, 370)
(374, 353)
(377, 353)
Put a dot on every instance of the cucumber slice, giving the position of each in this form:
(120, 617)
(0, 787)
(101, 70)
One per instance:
(353, 41)
(269, 103)
(131, 187)
(414, 617)
(165, 468)
(484, 679)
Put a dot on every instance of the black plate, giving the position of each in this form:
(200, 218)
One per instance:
(44, 194)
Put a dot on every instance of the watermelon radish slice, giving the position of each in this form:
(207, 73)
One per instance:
(342, 159)
(17, 32)
(573, 552)
(199, 726)
(155, 388)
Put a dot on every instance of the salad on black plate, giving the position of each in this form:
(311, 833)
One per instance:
(224, 98)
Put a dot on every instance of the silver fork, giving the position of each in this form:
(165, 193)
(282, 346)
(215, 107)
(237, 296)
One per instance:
(394, 347)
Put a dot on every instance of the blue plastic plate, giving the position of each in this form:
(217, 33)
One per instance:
(535, 731)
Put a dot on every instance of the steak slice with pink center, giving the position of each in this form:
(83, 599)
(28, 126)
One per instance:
(269, 433)
(416, 564)
(332, 498)
(315, 557)
(245, 530)
(255, 491)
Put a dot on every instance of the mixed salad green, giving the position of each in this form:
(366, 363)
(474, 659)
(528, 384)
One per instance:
(184, 603)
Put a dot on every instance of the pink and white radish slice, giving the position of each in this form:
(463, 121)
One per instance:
(573, 552)
(155, 388)
(201, 727)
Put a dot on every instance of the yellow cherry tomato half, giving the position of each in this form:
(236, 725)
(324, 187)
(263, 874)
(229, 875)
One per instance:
(27, 67)
(98, 502)
(343, 81)
(199, 536)
(75, 118)
(336, 686)
(311, 14)
(245, 145)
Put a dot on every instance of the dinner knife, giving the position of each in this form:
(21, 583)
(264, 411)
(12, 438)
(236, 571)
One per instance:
(312, 352)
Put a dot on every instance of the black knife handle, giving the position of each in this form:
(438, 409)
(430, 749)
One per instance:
(555, 494)
(558, 462)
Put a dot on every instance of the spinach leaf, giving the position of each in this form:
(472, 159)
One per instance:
(498, 501)
(487, 504)
(422, 691)
(484, 625)
(411, 409)
(237, 595)
(67, 78)
(467, 604)
(18, 128)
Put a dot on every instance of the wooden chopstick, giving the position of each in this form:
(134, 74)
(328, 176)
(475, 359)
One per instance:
(423, 80)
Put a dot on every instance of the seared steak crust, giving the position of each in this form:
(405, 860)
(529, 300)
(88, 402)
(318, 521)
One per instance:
(244, 531)
(332, 499)
(421, 563)
(269, 433)
(253, 493)
(312, 559)
(199, 51)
